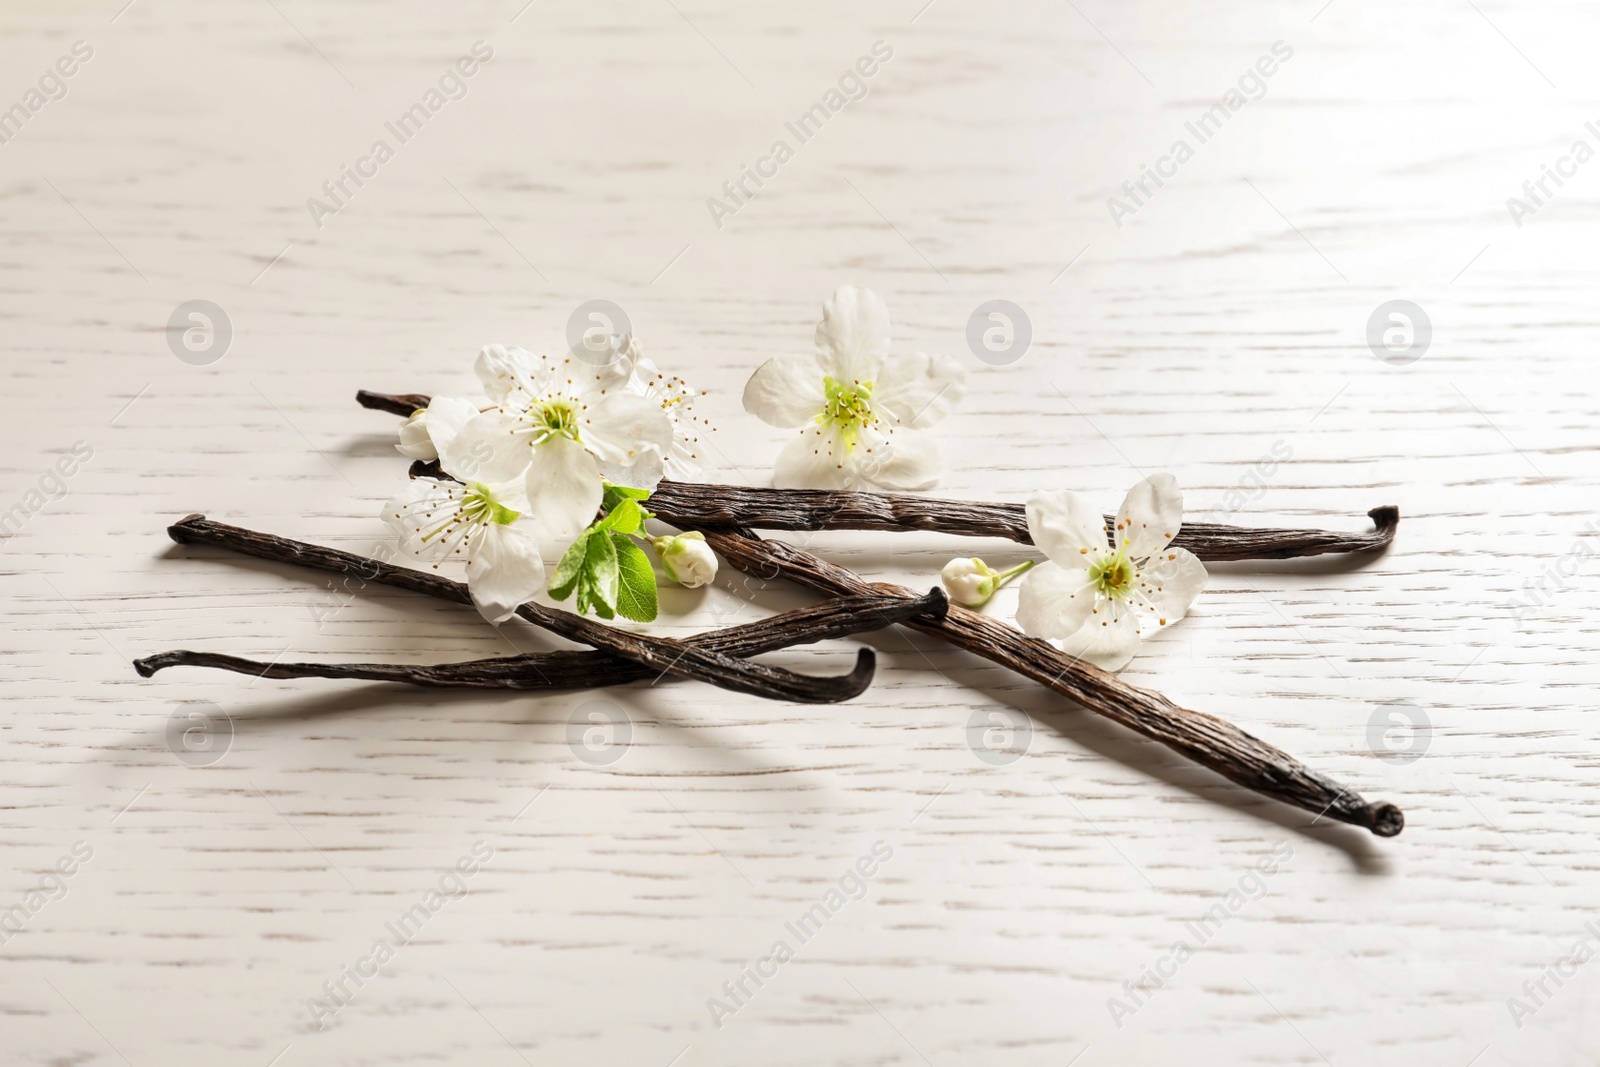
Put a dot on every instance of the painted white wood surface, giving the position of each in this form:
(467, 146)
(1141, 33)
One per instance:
(1226, 319)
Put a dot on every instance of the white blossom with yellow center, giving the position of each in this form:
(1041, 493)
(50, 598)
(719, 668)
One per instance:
(860, 411)
(1099, 598)
(560, 426)
(676, 397)
(444, 521)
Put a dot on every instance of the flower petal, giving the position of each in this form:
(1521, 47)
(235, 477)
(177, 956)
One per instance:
(642, 370)
(446, 416)
(853, 336)
(512, 495)
(905, 460)
(1066, 528)
(505, 571)
(585, 373)
(422, 504)
(1054, 601)
(785, 391)
(1171, 582)
(490, 447)
(682, 464)
(644, 472)
(563, 486)
(1108, 640)
(620, 427)
(502, 368)
(415, 442)
(813, 459)
(919, 390)
(1150, 516)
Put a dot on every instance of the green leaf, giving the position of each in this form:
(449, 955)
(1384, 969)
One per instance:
(600, 576)
(616, 494)
(636, 592)
(603, 566)
(570, 569)
(625, 518)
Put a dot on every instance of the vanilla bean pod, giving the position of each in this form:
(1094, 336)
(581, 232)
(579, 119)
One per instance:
(693, 506)
(1208, 740)
(402, 404)
(573, 669)
(661, 655)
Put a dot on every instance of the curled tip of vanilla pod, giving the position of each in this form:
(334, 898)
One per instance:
(1384, 819)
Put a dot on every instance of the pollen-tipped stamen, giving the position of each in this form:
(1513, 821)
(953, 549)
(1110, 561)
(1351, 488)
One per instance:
(556, 417)
(848, 408)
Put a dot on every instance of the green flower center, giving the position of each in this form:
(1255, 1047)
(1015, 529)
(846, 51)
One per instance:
(847, 408)
(1113, 575)
(479, 505)
(554, 418)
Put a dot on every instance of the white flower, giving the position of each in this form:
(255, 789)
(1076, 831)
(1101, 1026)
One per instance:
(1100, 600)
(559, 425)
(971, 582)
(627, 346)
(859, 409)
(674, 396)
(429, 428)
(473, 523)
(414, 440)
(687, 558)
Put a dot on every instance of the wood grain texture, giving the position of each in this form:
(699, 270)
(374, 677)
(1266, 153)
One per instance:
(1219, 333)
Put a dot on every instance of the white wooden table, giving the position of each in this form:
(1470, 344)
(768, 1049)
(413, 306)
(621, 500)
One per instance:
(1224, 321)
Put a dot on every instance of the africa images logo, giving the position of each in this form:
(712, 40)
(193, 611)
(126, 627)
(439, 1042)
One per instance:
(1252, 85)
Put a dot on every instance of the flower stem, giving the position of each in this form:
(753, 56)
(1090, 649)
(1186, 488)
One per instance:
(1005, 576)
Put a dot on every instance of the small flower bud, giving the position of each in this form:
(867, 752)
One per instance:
(971, 582)
(415, 442)
(687, 559)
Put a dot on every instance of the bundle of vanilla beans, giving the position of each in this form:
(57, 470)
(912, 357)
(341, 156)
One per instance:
(728, 517)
